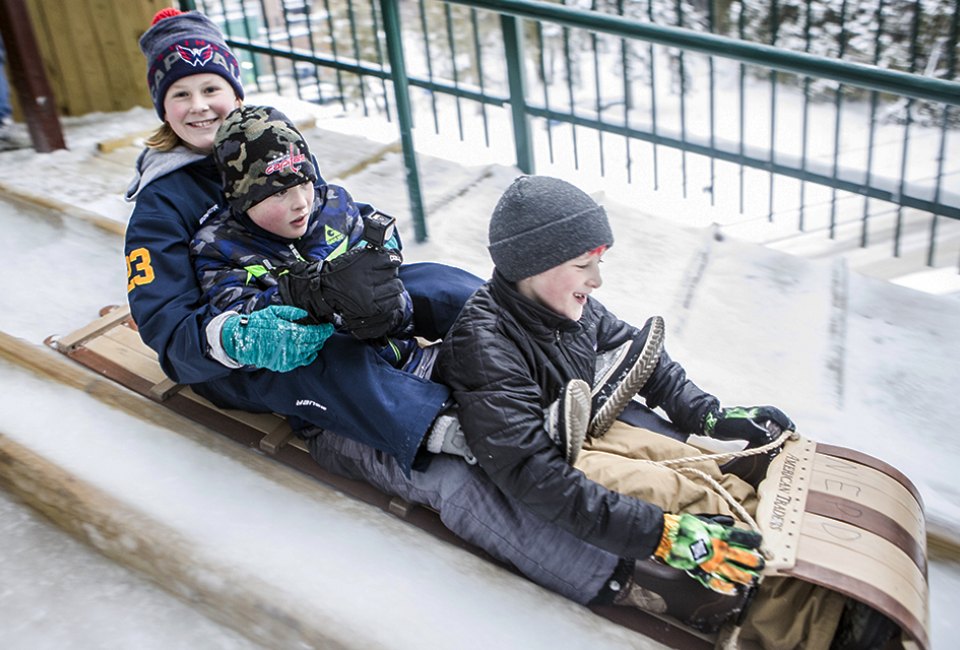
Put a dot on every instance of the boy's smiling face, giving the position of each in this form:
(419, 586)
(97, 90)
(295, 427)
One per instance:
(564, 288)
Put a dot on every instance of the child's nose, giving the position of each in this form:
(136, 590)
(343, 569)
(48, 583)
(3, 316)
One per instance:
(595, 280)
(304, 196)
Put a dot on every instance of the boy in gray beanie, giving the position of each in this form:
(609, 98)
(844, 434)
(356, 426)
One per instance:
(533, 334)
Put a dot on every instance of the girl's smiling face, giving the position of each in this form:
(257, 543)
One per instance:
(564, 288)
(195, 106)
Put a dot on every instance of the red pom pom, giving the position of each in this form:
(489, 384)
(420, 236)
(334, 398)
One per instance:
(165, 13)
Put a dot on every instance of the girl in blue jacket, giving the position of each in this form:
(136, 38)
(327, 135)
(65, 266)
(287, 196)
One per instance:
(345, 389)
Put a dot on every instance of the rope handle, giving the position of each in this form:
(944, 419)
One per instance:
(712, 482)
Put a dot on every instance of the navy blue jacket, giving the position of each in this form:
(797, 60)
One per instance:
(164, 298)
(349, 389)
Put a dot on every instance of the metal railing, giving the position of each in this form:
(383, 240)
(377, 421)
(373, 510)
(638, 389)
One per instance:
(795, 123)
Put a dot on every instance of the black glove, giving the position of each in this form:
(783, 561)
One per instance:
(362, 286)
(757, 425)
(300, 286)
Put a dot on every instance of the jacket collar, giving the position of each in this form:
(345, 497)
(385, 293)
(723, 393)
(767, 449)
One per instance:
(535, 317)
(152, 164)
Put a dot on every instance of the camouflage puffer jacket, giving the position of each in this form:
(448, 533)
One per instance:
(231, 254)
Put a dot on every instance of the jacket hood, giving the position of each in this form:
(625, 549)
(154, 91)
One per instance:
(152, 164)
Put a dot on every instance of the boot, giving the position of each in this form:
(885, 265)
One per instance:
(660, 589)
(568, 417)
(862, 628)
(621, 373)
(446, 437)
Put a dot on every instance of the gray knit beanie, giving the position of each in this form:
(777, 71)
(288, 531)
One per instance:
(541, 222)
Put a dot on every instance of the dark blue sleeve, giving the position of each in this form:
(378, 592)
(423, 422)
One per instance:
(162, 289)
(227, 286)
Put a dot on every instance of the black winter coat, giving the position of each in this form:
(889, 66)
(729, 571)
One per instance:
(506, 358)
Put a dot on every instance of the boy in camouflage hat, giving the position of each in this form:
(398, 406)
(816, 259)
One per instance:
(289, 238)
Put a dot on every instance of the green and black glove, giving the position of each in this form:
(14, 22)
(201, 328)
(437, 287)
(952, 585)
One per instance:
(722, 558)
(271, 338)
(757, 425)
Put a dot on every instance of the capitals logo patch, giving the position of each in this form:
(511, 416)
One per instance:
(195, 56)
(290, 160)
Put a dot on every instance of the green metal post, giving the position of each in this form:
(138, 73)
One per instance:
(398, 72)
(516, 78)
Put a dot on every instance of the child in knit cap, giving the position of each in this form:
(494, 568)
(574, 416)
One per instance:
(535, 333)
(289, 238)
(360, 418)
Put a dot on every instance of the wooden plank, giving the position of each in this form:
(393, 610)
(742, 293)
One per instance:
(869, 487)
(104, 30)
(783, 495)
(864, 459)
(83, 39)
(276, 439)
(64, 29)
(116, 40)
(134, 19)
(857, 515)
(864, 556)
(915, 632)
(864, 566)
(123, 335)
(111, 370)
(122, 355)
(162, 391)
(109, 320)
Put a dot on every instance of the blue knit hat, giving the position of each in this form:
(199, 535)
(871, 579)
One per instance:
(541, 222)
(179, 44)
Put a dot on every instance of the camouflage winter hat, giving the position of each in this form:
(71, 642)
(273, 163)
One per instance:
(259, 152)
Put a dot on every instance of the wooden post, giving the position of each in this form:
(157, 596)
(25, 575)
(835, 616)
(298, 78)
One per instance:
(28, 78)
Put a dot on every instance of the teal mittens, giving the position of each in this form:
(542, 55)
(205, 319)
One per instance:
(270, 338)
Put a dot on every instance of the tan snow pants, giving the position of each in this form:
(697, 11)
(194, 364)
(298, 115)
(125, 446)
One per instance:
(786, 613)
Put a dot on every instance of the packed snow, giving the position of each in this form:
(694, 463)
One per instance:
(855, 361)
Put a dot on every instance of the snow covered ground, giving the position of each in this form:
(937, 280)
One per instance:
(854, 360)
